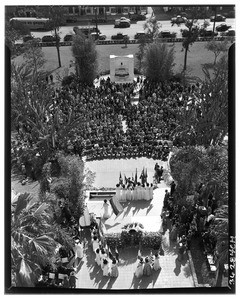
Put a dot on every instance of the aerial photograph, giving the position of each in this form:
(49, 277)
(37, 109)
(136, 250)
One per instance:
(121, 148)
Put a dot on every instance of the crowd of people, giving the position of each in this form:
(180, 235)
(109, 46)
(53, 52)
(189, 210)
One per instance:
(100, 111)
(134, 192)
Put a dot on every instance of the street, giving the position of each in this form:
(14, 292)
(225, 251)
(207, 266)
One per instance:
(109, 29)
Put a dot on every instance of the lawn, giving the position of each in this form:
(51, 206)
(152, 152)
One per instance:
(197, 57)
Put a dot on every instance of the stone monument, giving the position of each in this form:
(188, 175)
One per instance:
(122, 68)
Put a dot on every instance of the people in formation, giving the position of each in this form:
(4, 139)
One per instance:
(134, 192)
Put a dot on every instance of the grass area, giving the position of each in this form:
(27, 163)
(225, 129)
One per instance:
(197, 57)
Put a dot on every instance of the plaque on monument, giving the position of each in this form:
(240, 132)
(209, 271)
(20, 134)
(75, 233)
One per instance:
(122, 68)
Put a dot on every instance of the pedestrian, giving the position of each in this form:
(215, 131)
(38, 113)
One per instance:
(66, 281)
(103, 256)
(106, 206)
(105, 267)
(147, 269)
(97, 257)
(95, 243)
(72, 280)
(139, 269)
(79, 252)
(156, 264)
(114, 269)
(173, 187)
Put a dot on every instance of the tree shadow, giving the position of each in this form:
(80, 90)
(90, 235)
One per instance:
(155, 276)
(145, 281)
(149, 208)
(103, 281)
(95, 271)
(110, 226)
(111, 282)
(177, 270)
(135, 282)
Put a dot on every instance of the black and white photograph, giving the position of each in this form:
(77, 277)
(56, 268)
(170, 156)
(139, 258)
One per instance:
(120, 137)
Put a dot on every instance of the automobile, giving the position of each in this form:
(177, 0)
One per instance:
(71, 20)
(223, 27)
(98, 36)
(85, 30)
(178, 19)
(219, 18)
(119, 36)
(141, 34)
(207, 33)
(166, 34)
(48, 39)
(27, 38)
(138, 17)
(122, 24)
(68, 37)
(229, 32)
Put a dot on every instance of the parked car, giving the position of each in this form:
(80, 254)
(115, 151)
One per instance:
(27, 38)
(141, 34)
(207, 33)
(138, 17)
(219, 18)
(85, 30)
(119, 36)
(178, 19)
(98, 36)
(71, 19)
(48, 39)
(68, 37)
(167, 34)
(223, 27)
(229, 32)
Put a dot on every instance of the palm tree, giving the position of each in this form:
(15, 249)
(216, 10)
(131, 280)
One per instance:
(220, 227)
(32, 243)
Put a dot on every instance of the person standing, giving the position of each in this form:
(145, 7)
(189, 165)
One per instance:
(124, 191)
(95, 243)
(118, 191)
(139, 269)
(106, 207)
(151, 191)
(105, 267)
(173, 188)
(147, 192)
(156, 264)
(79, 253)
(114, 269)
(147, 269)
(72, 280)
(97, 257)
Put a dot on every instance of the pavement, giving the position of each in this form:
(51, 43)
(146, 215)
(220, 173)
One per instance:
(173, 274)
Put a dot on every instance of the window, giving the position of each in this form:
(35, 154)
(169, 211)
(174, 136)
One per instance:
(113, 10)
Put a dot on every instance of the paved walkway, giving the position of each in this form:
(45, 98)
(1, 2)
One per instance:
(173, 274)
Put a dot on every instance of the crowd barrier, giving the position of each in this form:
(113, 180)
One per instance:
(133, 41)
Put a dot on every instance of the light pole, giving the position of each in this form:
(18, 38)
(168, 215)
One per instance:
(96, 25)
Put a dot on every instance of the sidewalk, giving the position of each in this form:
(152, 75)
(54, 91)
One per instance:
(173, 274)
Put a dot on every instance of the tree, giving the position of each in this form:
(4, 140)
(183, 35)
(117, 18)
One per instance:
(158, 62)
(32, 243)
(141, 52)
(221, 231)
(85, 54)
(56, 14)
(190, 34)
(151, 27)
(217, 48)
(203, 119)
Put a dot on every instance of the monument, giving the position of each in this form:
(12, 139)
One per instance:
(122, 68)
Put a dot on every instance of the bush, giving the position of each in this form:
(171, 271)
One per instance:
(151, 240)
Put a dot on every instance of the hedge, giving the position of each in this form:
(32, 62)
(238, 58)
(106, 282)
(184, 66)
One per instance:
(125, 239)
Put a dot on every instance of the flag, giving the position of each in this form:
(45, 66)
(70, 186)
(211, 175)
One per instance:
(142, 177)
(136, 177)
(116, 206)
(132, 178)
(126, 180)
(120, 179)
(146, 176)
